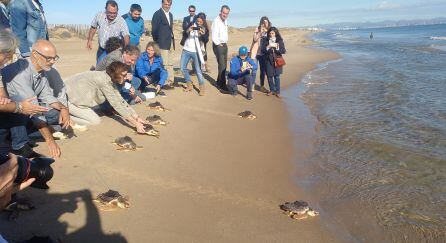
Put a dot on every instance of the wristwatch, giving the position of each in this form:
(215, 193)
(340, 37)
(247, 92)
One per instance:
(18, 107)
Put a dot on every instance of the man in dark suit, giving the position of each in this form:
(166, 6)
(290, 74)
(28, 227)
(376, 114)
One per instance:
(190, 19)
(162, 33)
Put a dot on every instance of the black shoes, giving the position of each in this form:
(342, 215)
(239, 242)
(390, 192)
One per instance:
(27, 152)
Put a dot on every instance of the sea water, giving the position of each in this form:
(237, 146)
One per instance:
(380, 150)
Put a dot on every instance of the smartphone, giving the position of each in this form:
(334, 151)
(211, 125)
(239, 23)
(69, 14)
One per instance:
(196, 28)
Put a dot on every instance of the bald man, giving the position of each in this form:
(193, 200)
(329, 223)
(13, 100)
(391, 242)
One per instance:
(27, 78)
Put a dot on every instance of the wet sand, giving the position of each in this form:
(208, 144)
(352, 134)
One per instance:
(210, 177)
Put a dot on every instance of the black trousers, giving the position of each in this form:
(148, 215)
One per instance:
(221, 52)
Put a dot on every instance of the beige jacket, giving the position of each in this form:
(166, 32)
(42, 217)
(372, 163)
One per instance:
(255, 46)
(92, 88)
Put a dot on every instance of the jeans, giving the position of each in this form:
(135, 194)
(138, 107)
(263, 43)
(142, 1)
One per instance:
(247, 79)
(19, 133)
(221, 52)
(100, 53)
(125, 93)
(154, 78)
(185, 57)
(274, 84)
(8, 121)
(261, 60)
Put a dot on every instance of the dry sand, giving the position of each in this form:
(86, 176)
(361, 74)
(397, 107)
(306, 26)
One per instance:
(210, 177)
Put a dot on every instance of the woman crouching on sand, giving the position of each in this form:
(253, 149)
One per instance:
(150, 68)
(273, 48)
(90, 89)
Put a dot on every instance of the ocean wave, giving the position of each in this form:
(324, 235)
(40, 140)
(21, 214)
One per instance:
(437, 37)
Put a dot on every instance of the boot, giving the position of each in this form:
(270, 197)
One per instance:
(201, 90)
(249, 95)
(189, 87)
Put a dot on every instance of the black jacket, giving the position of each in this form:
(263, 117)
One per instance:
(187, 23)
(270, 55)
(162, 32)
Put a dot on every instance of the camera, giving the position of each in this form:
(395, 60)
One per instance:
(195, 28)
(38, 168)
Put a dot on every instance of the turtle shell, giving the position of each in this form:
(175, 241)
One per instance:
(297, 207)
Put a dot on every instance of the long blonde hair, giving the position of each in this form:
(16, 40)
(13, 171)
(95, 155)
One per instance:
(155, 46)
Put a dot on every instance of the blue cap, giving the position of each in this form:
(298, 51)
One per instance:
(243, 50)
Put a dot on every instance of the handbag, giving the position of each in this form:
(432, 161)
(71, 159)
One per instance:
(279, 61)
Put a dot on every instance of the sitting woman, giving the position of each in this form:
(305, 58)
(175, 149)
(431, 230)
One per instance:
(150, 68)
(90, 89)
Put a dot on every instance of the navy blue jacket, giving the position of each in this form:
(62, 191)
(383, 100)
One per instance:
(162, 32)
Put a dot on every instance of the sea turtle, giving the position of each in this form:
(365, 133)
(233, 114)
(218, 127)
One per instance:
(65, 133)
(126, 144)
(111, 200)
(157, 106)
(151, 131)
(247, 115)
(156, 120)
(298, 210)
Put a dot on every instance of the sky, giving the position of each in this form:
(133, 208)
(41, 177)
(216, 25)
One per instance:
(282, 13)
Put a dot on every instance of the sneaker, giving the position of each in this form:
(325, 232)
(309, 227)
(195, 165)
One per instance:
(249, 96)
(263, 90)
(80, 128)
(27, 152)
(59, 135)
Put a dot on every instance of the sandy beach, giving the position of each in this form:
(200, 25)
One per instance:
(210, 177)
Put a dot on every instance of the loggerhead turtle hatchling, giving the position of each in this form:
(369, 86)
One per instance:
(247, 115)
(111, 200)
(156, 120)
(126, 144)
(157, 106)
(151, 131)
(298, 210)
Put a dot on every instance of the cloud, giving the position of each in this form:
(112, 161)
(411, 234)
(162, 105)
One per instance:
(386, 5)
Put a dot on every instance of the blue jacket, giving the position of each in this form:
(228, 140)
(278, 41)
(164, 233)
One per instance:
(236, 66)
(4, 17)
(27, 23)
(143, 67)
(136, 28)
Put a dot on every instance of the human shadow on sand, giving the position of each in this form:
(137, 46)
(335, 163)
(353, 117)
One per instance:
(45, 219)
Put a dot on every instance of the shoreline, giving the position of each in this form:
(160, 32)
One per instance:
(210, 177)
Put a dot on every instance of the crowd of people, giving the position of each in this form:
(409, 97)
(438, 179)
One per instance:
(34, 98)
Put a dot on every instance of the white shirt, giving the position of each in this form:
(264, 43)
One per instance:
(189, 44)
(219, 31)
(167, 16)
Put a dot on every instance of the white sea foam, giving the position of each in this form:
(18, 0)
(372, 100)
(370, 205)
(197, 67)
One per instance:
(438, 38)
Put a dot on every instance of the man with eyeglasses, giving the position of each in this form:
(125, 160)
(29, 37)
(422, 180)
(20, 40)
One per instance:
(190, 19)
(28, 22)
(162, 33)
(27, 78)
(109, 25)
